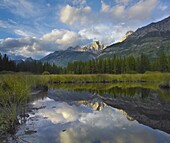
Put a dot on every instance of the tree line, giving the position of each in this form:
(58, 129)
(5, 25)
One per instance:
(115, 65)
(34, 66)
(120, 65)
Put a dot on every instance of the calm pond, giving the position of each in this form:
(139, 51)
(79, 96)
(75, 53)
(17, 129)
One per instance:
(97, 114)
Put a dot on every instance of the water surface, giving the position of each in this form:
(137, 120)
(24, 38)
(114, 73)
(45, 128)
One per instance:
(102, 115)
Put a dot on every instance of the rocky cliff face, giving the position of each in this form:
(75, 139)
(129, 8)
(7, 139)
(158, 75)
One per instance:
(126, 36)
(95, 47)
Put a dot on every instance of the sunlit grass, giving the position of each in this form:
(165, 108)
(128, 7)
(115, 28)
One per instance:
(155, 77)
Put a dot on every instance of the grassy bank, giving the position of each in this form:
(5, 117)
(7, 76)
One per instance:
(103, 86)
(108, 78)
(14, 95)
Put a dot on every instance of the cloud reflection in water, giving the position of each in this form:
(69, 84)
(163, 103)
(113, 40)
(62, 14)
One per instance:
(65, 123)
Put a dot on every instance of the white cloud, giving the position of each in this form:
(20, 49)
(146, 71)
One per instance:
(4, 24)
(29, 16)
(142, 10)
(64, 113)
(90, 134)
(48, 5)
(84, 17)
(27, 47)
(104, 25)
(79, 2)
(118, 11)
(81, 124)
(13, 44)
(38, 47)
(90, 33)
(105, 7)
(23, 33)
(106, 33)
(124, 2)
(72, 15)
(163, 7)
(12, 21)
(20, 7)
(64, 38)
(19, 29)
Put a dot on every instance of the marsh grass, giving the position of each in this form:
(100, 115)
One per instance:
(104, 86)
(107, 83)
(13, 92)
(14, 95)
(151, 77)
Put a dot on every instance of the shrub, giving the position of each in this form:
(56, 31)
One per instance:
(45, 73)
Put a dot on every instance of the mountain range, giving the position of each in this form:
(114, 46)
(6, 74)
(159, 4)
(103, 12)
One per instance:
(150, 40)
(72, 54)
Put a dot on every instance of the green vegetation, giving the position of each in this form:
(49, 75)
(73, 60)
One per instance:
(114, 65)
(14, 95)
(149, 77)
(119, 65)
(45, 73)
(103, 86)
(35, 67)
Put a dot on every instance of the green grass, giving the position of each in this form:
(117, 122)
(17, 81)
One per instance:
(149, 77)
(14, 95)
(104, 86)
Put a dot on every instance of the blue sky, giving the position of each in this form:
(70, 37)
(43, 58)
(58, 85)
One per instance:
(38, 27)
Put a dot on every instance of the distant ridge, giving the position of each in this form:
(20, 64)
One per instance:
(72, 54)
(150, 40)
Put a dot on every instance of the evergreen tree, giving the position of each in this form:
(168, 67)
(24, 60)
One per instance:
(144, 63)
(163, 63)
(1, 68)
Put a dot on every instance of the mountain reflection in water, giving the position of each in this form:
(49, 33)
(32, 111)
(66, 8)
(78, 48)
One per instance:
(70, 116)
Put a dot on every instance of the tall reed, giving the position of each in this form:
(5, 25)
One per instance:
(14, 94)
